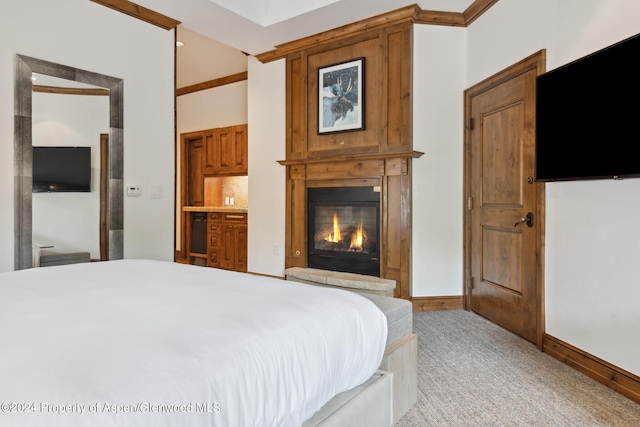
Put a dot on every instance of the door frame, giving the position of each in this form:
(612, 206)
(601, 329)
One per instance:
(536, 62)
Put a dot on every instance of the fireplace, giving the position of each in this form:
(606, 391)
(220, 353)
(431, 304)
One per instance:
(344, 229)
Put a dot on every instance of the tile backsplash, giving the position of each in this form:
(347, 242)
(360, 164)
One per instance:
(217, 189)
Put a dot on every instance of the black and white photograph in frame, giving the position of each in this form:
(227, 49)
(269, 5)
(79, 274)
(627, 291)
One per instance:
(340, 96)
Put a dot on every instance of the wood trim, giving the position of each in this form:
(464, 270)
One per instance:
(476, 9)
(536, 60)
(437, 303)
(408, 13)
(71, 90)
(140, 12)
(104, 197)
(615, 378)
(541, 213)
(234, 78)
(381, 156)
(431, 17)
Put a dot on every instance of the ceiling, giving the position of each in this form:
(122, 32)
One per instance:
(257, 26)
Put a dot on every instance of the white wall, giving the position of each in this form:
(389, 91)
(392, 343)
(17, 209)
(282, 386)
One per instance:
(212, 108)
(70, 220)
(438, 82)
(267, 121)
(91, 37)
(592, 237)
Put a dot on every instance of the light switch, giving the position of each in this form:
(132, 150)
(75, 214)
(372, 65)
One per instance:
(155, 192)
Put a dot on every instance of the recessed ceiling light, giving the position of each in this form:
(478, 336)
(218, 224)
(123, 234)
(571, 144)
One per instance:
(179, 43)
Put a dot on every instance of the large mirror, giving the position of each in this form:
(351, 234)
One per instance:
(69, 126)
(25, 68)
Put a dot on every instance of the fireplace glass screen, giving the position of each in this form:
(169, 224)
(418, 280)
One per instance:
(344, 229)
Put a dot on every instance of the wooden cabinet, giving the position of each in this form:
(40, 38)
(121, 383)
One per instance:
(227, 237)
(227, 151)
(212, 153)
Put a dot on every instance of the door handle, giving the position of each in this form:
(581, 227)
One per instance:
(528, 220)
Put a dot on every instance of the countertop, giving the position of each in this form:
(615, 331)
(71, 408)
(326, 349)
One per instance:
(231, 209)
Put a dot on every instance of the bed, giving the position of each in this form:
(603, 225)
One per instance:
(152, 343)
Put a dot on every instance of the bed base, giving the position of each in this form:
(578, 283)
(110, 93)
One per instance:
(383, 399)
(401, 359)
(370, 404)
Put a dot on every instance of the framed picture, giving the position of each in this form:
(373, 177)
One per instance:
(341, 97)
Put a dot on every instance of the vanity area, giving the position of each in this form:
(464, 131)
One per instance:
(213, 202)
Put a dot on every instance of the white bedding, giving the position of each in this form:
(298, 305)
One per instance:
(151, 343)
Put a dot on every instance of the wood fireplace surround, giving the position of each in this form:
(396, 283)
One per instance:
(379, 156)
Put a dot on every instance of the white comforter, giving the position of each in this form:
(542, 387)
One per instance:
(150, 343)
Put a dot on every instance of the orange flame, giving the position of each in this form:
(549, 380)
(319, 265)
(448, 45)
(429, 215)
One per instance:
(335, 236)
(356, 240)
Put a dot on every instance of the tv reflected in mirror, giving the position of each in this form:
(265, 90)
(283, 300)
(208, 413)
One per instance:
(61, 169)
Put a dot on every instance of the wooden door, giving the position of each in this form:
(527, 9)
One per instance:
(195, 172)
(505, 205)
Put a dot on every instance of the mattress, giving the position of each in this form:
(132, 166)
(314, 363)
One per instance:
(152, 343)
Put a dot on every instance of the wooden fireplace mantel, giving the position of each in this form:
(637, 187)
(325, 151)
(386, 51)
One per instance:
(377, 156)
(390, 172)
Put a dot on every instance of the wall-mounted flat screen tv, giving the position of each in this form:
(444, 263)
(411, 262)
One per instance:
(587, 116)
(61, 169)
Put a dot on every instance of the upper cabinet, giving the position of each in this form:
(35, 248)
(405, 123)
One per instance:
(226, 151)
(217, 152)
(210, 154)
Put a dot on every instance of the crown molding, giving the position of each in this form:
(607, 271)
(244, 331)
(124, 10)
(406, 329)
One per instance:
(408, 13)
(476, 10)
(140, 12)
(411, 13)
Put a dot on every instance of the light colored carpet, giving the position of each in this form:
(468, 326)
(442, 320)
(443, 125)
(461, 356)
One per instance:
(472, 372)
